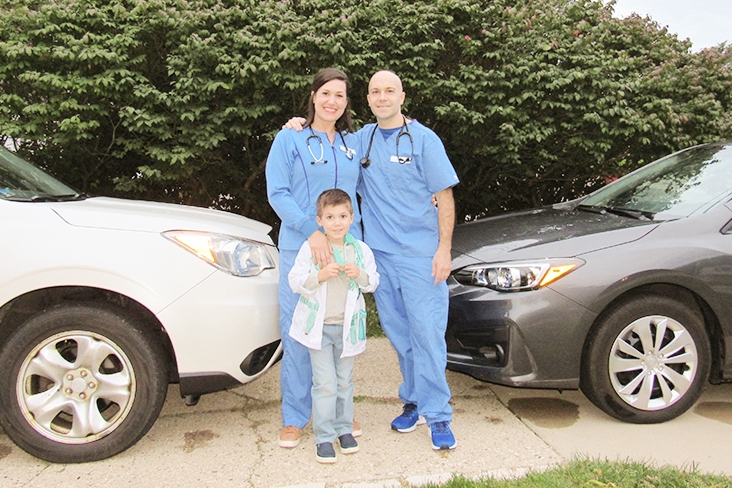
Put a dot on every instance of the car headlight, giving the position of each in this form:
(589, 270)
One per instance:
(517, 276)
(239, 257)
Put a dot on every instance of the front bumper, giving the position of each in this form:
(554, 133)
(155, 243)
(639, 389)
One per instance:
(224, 331)
(530, 339)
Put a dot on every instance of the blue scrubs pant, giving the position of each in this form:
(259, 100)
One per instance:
(413, 314)
(296, 377)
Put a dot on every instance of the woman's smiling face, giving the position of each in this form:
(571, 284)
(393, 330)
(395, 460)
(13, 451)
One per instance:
(330, 102)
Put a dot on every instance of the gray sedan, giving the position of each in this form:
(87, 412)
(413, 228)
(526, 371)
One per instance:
(625, 293)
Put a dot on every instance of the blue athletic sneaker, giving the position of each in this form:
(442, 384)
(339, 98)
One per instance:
(442, 438)
(408, 420)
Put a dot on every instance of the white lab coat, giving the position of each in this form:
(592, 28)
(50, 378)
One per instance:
(311, 305)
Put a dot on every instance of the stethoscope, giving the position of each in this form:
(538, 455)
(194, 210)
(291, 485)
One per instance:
(321, 159)
(403, 131)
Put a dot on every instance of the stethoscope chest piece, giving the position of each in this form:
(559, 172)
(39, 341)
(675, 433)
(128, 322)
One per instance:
(403, 131)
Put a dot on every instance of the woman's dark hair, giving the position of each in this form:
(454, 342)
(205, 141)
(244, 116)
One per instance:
(344, 122)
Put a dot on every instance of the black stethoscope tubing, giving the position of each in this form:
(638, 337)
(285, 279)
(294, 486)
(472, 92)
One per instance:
(403, 130)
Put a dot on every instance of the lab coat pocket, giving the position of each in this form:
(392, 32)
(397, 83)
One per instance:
(304, 319)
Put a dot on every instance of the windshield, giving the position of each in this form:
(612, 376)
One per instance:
(676, 186)
(20, 180)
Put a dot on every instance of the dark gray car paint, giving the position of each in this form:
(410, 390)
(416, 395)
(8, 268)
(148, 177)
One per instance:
(689, 258)
(543, 233)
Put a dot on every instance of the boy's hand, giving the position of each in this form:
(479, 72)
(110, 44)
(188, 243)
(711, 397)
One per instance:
(294, 123)
(329, 271)
(352, 271)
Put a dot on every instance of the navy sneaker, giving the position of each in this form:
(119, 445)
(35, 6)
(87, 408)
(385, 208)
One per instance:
(442, 438)
(408, 420)
(348, 444)
(325, 453)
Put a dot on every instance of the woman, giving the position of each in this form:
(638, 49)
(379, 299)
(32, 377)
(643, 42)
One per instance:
(300, 166)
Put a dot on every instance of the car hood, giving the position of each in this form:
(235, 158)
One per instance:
(142, 216)
(546, 232)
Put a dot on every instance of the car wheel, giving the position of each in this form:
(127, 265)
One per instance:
(80, 383)
(647, 360)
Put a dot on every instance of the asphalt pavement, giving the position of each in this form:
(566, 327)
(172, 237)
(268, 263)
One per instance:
(230, 438)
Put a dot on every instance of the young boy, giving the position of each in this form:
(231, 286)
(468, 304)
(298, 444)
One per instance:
(330, 319)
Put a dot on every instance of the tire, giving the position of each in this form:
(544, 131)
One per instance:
(630, 375)
(80, 383)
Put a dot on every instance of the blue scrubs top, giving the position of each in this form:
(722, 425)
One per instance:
(294, 183)
(396, 206)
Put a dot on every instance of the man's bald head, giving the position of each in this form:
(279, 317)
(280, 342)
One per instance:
(385, 98)
(387, 77)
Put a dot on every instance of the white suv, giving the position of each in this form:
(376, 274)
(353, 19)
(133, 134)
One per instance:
(104, 301)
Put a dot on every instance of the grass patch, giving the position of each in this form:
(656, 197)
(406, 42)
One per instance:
(586, 473)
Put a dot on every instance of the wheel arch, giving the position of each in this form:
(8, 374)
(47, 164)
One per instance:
(684, 295)
(21, 308)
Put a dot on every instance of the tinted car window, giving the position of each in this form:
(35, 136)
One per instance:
(20, 180)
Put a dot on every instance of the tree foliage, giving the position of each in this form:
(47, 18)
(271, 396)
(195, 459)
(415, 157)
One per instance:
(537, 101)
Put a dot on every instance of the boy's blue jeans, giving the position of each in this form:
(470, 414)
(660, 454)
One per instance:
(332, 387)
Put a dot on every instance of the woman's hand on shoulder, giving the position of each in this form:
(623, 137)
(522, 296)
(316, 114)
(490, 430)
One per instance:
(320, 248)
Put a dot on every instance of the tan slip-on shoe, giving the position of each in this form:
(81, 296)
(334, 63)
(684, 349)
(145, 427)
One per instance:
(357, 431)
(289, 436)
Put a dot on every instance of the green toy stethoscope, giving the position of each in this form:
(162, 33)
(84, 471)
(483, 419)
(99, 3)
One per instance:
(403, 131)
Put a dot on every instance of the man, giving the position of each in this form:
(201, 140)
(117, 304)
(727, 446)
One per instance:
(411, 239)
(403, 168)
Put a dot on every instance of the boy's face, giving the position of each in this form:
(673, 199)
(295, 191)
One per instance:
(336, 220)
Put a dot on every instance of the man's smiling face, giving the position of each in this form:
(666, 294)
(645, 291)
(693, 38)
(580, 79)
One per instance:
(385, 98)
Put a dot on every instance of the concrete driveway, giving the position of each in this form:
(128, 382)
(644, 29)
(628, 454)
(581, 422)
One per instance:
(229, 438)
(701, 438)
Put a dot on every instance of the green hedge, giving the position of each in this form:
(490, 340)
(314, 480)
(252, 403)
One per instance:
(537, 101)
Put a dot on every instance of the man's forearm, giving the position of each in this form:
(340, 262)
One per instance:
(445, 217)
